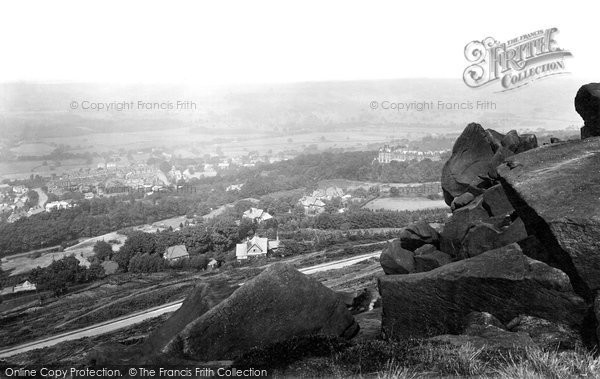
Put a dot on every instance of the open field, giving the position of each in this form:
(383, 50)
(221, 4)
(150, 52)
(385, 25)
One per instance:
(404, 204)
(24, 262)
(33, 149)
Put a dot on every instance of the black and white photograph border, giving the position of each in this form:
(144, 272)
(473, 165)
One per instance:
(315, 189)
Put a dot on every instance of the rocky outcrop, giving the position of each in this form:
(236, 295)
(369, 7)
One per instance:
(475, 156)
(483, 237)
(469, 163)
(587, 104)
(279, 304)
(394, 259)
(418, 234)
(555, 191)
(503, 282)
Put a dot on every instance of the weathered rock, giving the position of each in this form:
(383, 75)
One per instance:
(418, 234)
(556, 190)
(483, 237)
(488, 336)
(425, 249)
(587, 104)
(277, 305)
(431, 260)
(547, 335)
(458, 225)
(518, 144)
(469, 163)
(203, 298)
(503, 282)
(396, 260)
(462, 200)
(555, 140)
(496, 201)
(481, 319)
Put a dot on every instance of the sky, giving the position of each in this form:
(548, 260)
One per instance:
(236, 42)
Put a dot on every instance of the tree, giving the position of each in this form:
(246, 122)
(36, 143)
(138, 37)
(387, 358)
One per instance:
(394, 192)
(103, 251)
(146, 263)
(136, 243)
(199, 262)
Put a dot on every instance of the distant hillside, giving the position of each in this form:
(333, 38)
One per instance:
(42, 110)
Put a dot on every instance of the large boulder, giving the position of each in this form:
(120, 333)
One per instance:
(394, 259)
(431, 260)
(503, 282)
(587, 104)
(475, 155)
(203, 298)
(469, 163)
(279, 304)
(555, 190)
(483, 237)
(418, 234)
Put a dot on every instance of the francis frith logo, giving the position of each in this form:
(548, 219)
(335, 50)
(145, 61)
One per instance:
(515, 63)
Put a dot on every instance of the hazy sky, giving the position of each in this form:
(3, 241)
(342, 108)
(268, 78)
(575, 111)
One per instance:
(226, 42)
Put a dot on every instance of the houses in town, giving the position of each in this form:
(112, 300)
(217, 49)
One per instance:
(314, 204)
(388, 154)
(56, 205)
(255, 247)
(234, 187)
(175, 253)
(256, 214)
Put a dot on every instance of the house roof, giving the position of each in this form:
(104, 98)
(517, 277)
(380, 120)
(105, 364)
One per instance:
(261, 243)
(257, 213)
(177, 251)
(253, 213)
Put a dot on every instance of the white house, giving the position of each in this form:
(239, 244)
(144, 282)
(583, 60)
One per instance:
(25, 286)
(55, 205)
(212, 264)
(255, 247)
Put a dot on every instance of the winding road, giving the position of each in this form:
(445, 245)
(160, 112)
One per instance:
(135, 318)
